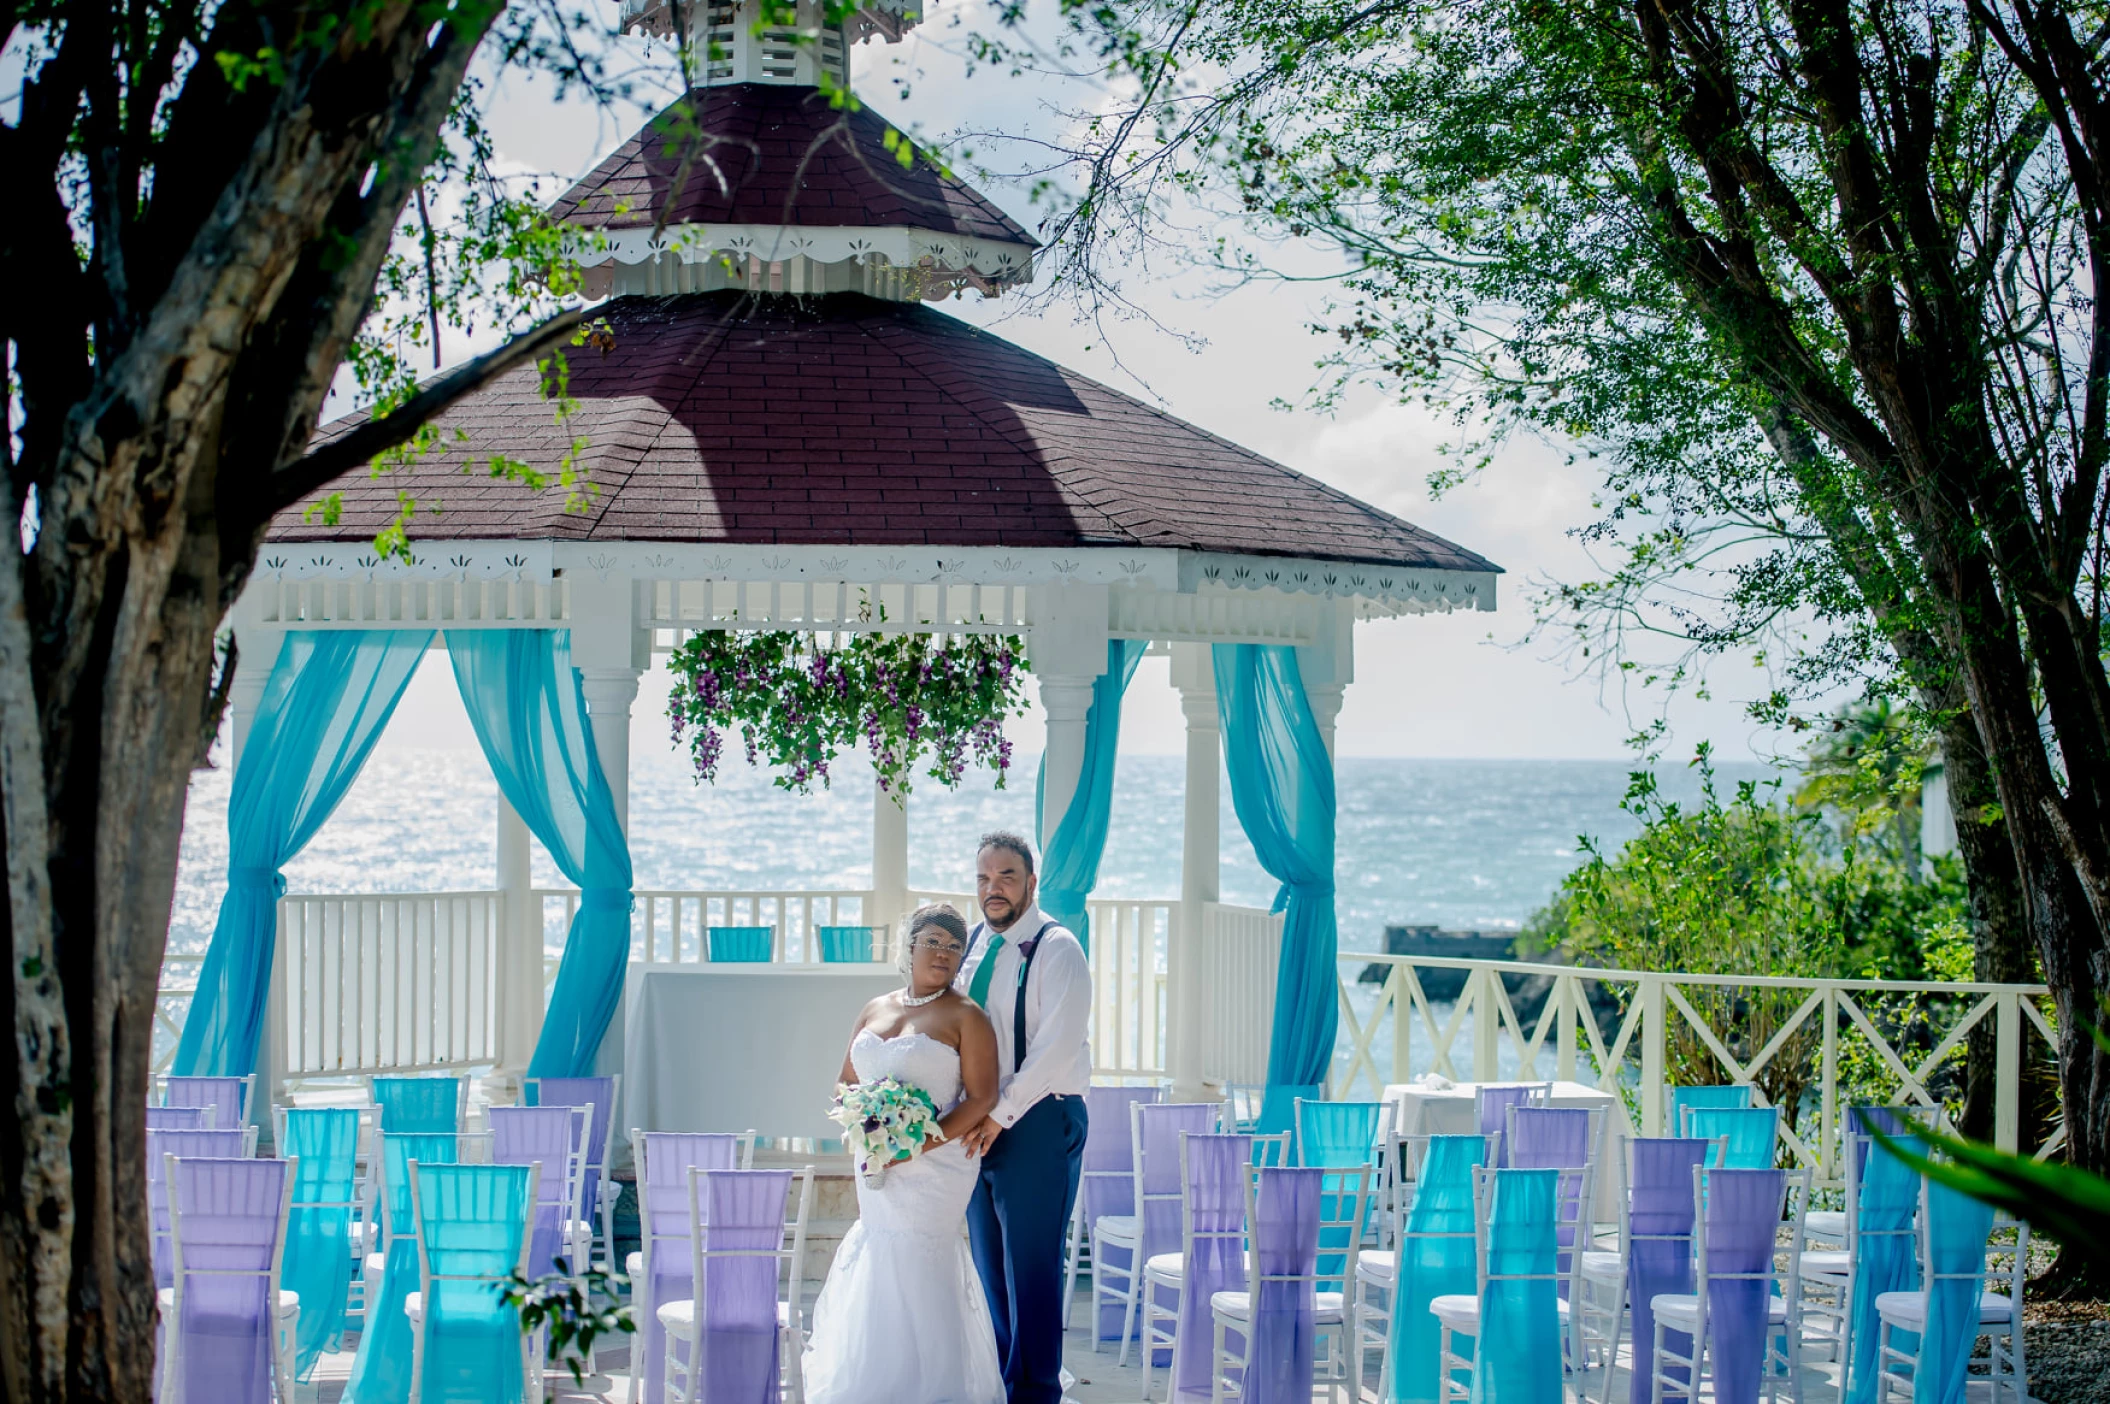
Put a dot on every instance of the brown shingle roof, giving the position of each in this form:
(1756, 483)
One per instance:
(721, 417)
(760, 153)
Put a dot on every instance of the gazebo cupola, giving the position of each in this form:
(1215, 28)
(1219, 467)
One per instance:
(757, 181)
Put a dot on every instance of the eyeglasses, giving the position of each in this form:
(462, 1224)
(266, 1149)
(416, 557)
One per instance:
(937, 943)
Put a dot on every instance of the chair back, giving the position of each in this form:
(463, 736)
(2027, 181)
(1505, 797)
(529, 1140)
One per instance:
(550, 1137)
(1214, 1170)
(227, 1096)
(1344, 1212)
(664, 1160)
(228, 1234)
(399, 1150)
(1553, 1138)
(323, 1142)
(1340, 1133)
(1491, 1109)
(1242, 1106)
(1282, 1280)
(736, 1232)
(1739, 1212)
(181, 1118)
(741, 943)
(852, 945)
(1655, 1228)
(1751, 1133)
(1437, 1242)
(1890, 1120)
(1107, 1180)
(1955, 1245)
(229, 1144)
(421, 1103)
(472, 1233)
(1517, 1263)
(1156, 1133)
(1685, 1099)
(597, 1093)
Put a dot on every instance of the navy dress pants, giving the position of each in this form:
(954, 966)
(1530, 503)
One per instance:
(1018, 1222)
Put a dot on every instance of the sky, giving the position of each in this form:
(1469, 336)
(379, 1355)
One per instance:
(1464, 685)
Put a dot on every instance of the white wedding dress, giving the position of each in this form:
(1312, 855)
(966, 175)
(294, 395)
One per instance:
(902, 1317)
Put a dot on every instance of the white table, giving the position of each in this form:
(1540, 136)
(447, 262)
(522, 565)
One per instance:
(1418, 1110)
(741, 1047)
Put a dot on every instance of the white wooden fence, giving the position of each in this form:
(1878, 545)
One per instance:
(1855, 1058)
(1244, 946)
(672, 928)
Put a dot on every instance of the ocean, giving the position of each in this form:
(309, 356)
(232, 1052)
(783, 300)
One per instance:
(1464, 844)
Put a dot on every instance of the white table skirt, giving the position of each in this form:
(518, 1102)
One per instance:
(1422, 1111)
(741, 1047)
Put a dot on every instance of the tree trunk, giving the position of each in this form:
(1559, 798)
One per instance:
(2001, 949)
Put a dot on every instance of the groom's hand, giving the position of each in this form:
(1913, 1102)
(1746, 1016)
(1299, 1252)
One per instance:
(979, 1137)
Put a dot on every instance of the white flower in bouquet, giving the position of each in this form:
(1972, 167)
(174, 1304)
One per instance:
(883, 1121)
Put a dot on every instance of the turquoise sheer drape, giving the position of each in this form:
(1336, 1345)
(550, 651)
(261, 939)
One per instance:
(318, 1261)
(1957, 1229)
(1750, 1133)
(329, 695)
(473, 1218)
(1069, 859)
(1517, 1358)
(1886, 1261)
(525, 701)
(1435, 1260)
(1282, 788)
(381, 1371)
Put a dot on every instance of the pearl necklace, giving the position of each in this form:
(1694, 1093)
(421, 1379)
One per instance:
(915, 1001)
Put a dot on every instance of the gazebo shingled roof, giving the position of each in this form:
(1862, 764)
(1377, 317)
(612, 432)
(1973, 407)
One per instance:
(744, 143)
(843, 419)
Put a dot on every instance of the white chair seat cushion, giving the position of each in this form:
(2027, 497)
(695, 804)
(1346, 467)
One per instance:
(1379, 1265)
(1167, 1268)
(288, 1302)
(1462, 1312)
(1116, 1228)
(1600, 1266)
(1825, 1223)
(1909, 1309)
(1825, 1263)
(1681, 1312)
(678, 1319)
(1239, 1305)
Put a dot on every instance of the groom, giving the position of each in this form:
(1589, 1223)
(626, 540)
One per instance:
(1030, 973)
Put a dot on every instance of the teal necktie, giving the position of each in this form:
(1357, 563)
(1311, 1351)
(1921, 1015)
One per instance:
(978, 987)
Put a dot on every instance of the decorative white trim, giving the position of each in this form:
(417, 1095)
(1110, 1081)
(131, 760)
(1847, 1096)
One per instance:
(1411, 589)
(899, 246)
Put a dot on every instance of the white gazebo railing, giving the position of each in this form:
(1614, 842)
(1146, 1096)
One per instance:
(672, 928)
(1396, 1031)
(394, 982)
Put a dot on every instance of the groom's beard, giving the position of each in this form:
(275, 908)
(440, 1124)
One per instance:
(1003, 923)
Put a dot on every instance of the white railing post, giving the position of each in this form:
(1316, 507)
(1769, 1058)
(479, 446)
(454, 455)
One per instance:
(1828, 1085)
(520, 950)
(1652, 1037)
(276, 1031)
(2007, 1073)
(1487, 1026)
(890, 901)
(1568, 991)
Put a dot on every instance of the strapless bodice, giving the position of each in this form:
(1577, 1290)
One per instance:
(914, 1058)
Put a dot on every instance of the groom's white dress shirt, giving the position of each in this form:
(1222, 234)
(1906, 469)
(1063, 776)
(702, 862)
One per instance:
(1058, 1013)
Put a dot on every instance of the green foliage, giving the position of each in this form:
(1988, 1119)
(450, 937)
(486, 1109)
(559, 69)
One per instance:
(798, 702)
(1866, 769)
(578, 1309)
(1750, 885)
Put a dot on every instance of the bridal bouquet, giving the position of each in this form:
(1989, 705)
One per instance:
(883, 1121)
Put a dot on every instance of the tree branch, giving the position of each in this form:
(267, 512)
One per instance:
(326, 463)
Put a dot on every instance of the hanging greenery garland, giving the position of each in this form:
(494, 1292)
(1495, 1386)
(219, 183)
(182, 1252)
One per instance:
(798, 702)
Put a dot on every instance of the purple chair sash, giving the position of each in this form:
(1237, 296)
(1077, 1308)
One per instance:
(1743, 1215)
(743, 1212)
(1282, 1344)
(229, 1215)
(1216, 1171)
(1659, 1213)
(664, 1161)
(1107, 1183)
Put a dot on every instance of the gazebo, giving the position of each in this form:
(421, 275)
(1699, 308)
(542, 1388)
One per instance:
(789, 433)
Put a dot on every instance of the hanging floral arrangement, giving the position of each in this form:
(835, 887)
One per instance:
(798, 701)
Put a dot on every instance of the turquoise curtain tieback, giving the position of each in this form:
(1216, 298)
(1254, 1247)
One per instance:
(257, 877)
(607, 899)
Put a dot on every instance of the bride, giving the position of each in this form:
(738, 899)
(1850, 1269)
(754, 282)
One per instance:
(903, 1316)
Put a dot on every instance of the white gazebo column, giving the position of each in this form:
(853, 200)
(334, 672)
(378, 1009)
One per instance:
(889, 859)
(1327, 665)
(1194, 674)
(520, 936)
(611, 654)
(1068, 648)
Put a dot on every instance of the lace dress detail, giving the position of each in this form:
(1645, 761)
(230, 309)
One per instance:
(903, 1316)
